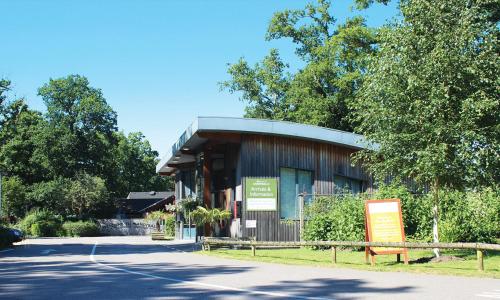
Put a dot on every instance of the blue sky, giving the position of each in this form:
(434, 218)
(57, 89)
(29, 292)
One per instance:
(157, 62)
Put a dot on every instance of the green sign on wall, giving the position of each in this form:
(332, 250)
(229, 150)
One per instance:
(261, 194)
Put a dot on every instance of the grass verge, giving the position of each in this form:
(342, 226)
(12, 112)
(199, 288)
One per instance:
(465, 263)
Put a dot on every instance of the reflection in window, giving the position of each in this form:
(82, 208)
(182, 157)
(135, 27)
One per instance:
(349, 185)
(292, 183)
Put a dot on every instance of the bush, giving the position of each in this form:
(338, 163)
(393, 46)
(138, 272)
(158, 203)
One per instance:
(41, 223)
(464, 216)
(470, 217)
(81, 228)
(169, 225)
(336, 218)
(45, 228)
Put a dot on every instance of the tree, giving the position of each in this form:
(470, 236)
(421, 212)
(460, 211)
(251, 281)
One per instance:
(430, 99)
(81, 126)
(320, 93)
(264, 86)
(88, 196)
(14, 197)
(19, 137)
(135, 166)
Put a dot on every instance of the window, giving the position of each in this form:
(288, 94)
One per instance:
(188, 183)
(292, 183)
(345, 184)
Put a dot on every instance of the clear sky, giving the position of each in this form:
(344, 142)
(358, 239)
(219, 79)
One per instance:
(157, 62)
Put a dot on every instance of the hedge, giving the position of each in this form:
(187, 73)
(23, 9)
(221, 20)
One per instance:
(81, 228)
(472, 216)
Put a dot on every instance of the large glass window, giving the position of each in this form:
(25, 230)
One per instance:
(292, 183)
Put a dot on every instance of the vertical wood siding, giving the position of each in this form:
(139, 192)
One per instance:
(263, 156)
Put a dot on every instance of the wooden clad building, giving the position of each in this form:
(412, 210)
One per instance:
(257, 169)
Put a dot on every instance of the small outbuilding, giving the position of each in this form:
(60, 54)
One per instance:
(138, 204)
(258, 168)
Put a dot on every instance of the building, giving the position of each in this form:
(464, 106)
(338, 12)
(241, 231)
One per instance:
(137, 204)
(258, 168)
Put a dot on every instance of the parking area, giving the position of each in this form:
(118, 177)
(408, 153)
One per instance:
(138, 268)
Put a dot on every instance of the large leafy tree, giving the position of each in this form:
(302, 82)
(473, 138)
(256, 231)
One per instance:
(19, 136)
(319, 93)
(81, 126)
(431, 97)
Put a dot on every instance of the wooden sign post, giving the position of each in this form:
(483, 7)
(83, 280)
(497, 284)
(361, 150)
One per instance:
(384, 223)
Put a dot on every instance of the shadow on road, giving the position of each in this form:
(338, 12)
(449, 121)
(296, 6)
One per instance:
(68, 273)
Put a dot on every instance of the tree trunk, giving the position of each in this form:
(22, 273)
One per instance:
(435, 216)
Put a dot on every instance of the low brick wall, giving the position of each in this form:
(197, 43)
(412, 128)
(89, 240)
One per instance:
(126, 226)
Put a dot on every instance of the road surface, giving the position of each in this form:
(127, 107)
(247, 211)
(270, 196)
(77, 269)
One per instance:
(138, 268)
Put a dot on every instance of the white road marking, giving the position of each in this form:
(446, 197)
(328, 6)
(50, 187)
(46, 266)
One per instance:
(494, 295)
(216, 286)
(6, 250)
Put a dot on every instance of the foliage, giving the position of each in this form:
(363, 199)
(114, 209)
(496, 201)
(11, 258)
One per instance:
(472, 216)
(167, 218)
(212, 216)
(188, 205)
(335, 218)
(13, 196)
(41, 223)
(81, 228)
(51, 196)
(135, 165)
(70, 160)
(320, 93)
(156, 215)
(81, 127)
(169, 225)
(88, 196)
(430, 100)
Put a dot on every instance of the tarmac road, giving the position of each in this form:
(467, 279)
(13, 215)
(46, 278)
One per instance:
(138, 268)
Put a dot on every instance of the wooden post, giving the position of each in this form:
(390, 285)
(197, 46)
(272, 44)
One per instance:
(334, 254)
(208, 247)
(398, 258)
(480, 261)
(301, 216)
(253, 250)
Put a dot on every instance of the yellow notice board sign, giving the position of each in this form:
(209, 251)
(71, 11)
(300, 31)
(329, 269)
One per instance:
(384, 223)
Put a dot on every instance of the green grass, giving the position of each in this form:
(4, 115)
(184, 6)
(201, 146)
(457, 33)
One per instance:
(356, 260)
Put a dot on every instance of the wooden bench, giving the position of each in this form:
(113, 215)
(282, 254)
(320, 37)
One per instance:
(160, 236)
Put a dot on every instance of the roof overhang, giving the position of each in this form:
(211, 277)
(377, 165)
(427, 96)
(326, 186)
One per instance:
(182, 151)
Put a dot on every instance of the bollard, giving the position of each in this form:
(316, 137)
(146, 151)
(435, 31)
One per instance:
(253, 250)
(480, 261)
(334, 255)
(208, 247)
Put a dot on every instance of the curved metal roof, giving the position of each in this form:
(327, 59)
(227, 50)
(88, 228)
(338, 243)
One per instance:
(257, 126)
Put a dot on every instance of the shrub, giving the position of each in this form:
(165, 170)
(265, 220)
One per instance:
(81, 228)
(470, 216)
(47, 224)
(339, 218)
(169, 226)
(45, 228)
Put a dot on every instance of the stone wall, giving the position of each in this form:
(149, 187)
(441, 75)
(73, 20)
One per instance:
(126, 226)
